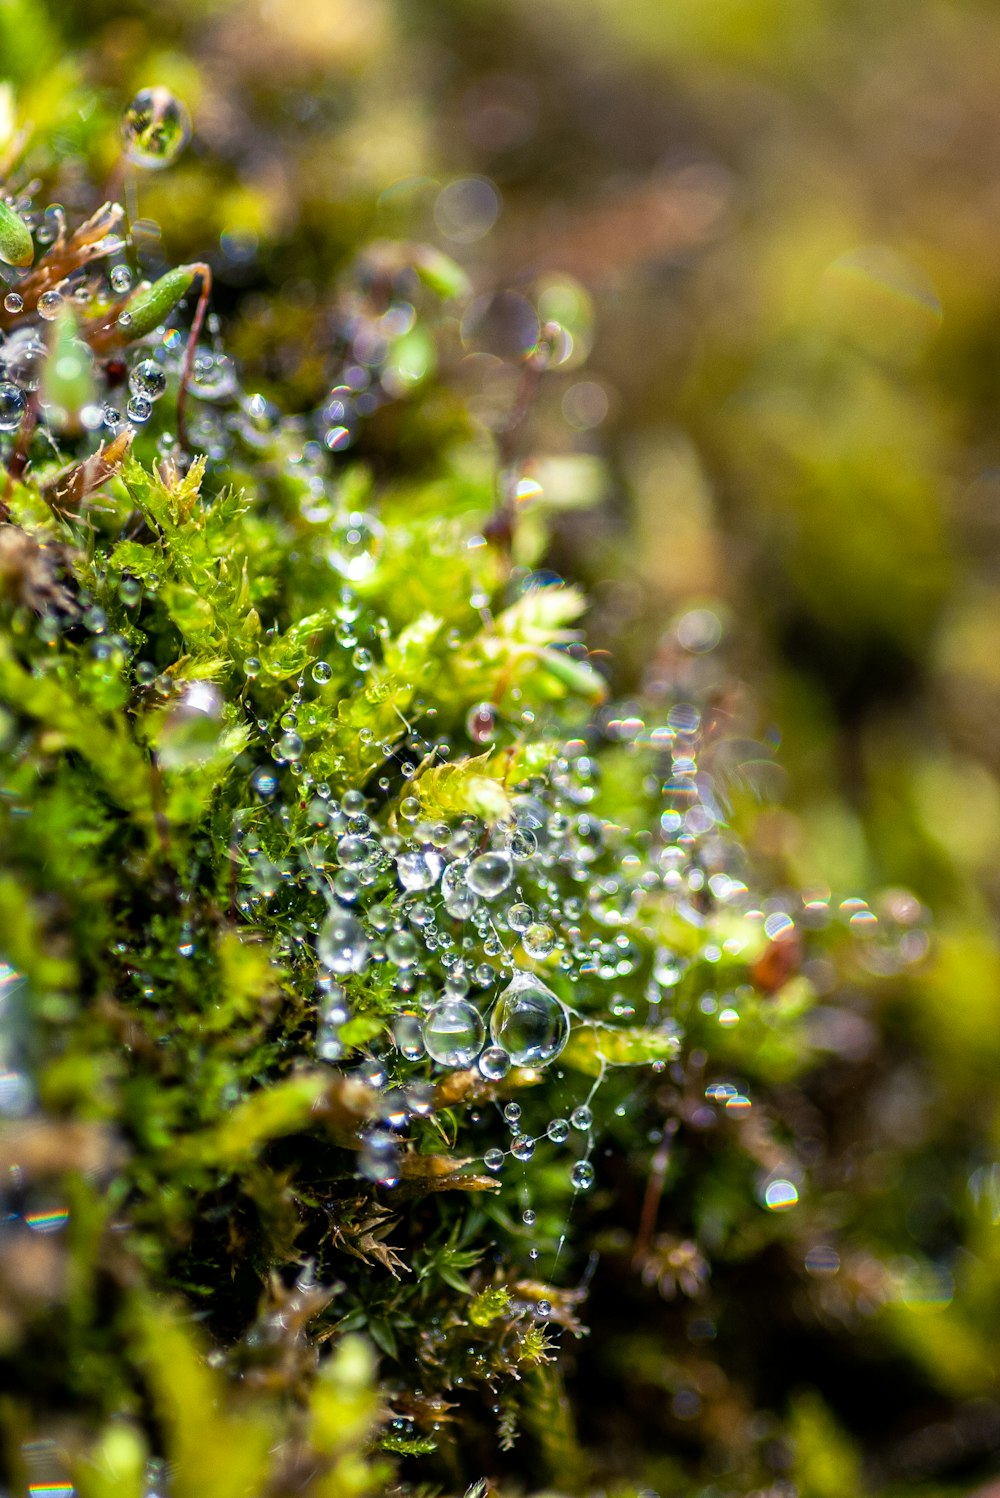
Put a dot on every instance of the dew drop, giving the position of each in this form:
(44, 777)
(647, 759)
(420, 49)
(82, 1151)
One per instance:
(522, 1146)
(494, 1063)
(539, 940)
(489, 875)
(13, 302)
(290, 746)
(780, 1195)
(668, 969)
(147, 380)
(558, 1130)
(48, 305)
(356, 546)
(321, 672)
(581, 1118)
(378, 1159)
(12, 404)
(419, 870)
(529, 1022)
(264, 782)
(402, 949)
(582, 1175)
(453, 1032)
(155, 128)
(493, 1159)
(342, 945)
(512, 1112)
(139, 409)
(481, 723)
(408, 1033)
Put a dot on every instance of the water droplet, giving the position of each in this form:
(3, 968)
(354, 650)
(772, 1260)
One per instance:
(822, 1261)
(522, 1146)
(121, 279)
(13, 302)
(493, 1159)
(24, 355)
(668, 969)
(779, 1195)
(419, 870)
(48, 305)
(453, 1032)
(356, 546)
(529, 1022)
(290, 746)
(189, 730)
(147, 380)
(581, 1118)
(528, 1217)
(155, 128)
(489, 875)
(342, 945)
(582, 1175)
(378, 1159)
(459, 900)
(558, 1130)
(494, 1063)
(130, 591)
(264, 782)
(139, 409)
(408, 1033)
(512, 1112)
(466, 209)
(251, 666)
(481, 723)
(321, 672)
(12, 404)
(539, 940)
(403, 949)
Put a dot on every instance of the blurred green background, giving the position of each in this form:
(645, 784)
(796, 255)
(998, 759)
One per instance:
(778, 225)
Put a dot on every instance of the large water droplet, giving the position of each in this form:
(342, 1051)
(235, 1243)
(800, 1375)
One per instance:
(408, 1033)
(155, 128)
(357, 542)
(12, 404)
(189, 730)
(529, 1022)
(489, 875)
(403, 949)
(342, 944)
(378, 1158)
(453, 1033)
(419, 870)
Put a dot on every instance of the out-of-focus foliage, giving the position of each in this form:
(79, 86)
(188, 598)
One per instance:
(765, 446)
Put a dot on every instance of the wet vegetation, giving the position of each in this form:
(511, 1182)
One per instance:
(449, 1043)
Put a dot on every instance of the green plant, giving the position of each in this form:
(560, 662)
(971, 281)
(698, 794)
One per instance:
(308, 779)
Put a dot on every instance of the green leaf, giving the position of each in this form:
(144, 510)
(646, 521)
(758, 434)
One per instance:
(149, 306)
(16, 244)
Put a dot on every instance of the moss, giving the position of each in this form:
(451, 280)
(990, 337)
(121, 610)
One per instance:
(305, 766)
